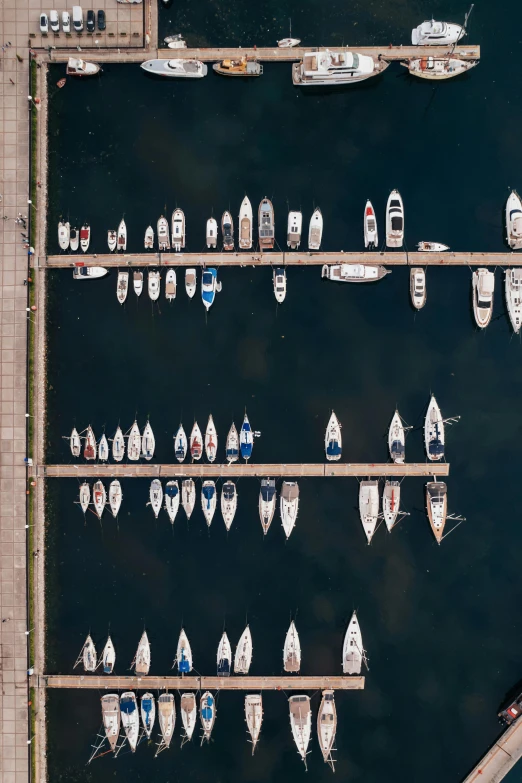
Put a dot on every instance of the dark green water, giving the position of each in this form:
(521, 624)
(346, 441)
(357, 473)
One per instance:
(441, 625)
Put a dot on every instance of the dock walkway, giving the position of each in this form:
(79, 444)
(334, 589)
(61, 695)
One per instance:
(499, 759)
(197, 683)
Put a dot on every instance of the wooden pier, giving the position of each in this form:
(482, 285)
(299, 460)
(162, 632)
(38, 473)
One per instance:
(499, 759)
(240, 469)
(232, 683)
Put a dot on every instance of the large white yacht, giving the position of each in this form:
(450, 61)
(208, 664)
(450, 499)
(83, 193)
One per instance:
(513, 287)
(335, 67)
(483, 283)
(188, 69)
(432, 33)
(514, 221)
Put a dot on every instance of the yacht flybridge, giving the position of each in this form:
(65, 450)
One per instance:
(335, 67)
(432, 33)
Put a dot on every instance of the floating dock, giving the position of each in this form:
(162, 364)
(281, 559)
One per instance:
(499, 759)
(232, 683)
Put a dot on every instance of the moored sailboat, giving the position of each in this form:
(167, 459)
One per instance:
(141, 661)
(183, 654)
(289, 505)
(224, 656)
(211, 440)
(254, 716)
(267, 503)
(243, 656)
(196, 443)
(292, 650)
(172, 499)
(353, 650)
(369, 506)
(166, 717)
(189, 712)
(438, 68)
(108, 657)
(232, 444)
(301, 723)
(327, 726)
(111, 718)
(391, 498)
(396, 439)
(90, 448)
(188, 496)
(118, 445)
(208, 500)
(246, 439)
(75, 443)
(130, 718)
(437, 505)
(333, 441)
(99, 498)
(434, 432)
(228, 503)
(103, 449)
(85, 496)
(156, 496)
(134, 443)
(148, 713)
(207, 712)
(148, 442)
(88, 655)
(180, 444)
(115, 497)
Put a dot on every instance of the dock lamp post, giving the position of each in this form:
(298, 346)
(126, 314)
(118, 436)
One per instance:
(30, 99)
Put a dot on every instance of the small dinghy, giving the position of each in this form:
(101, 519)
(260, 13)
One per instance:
(227, 229)
(432, 33)
(190, 282)
(438, 68)
(391, 498)
(156, 496)
(88, 272)
(178, 230)
(513, 290)
(163, 234)
(396, 439)
(301, 723)
(432, 247)
(180, 444)
(327, 726)
(183, 654)
(189, 714)
(170, 285)
(196, 443)
(437, 505)
(292, 650)
(211, 440)
(188, 496)
(289, 505)
(228, 503)
(418, 287)
(211, 233)
(267, 503)
(108, 657)
(254, 716)
(243, 656)
(148, 713)
(90, 448)
(483, 285)
(112, 238)
(371, 236)
(85, 237)
(149, 238)
(103, 449)
(434, 432)
(121, 243)
(74, 239)
(122, 287)
(245, 224)
(315, 231)
(394, 220)
(141, 661)
(208, 500)
(294, 229)
(137, 282)
(224, 657)
(279, 277)
(148, 443)
(75, 443)
(64, 235)
(209, 287)
(99, 498)
(232, 445)
(167, 716)
(134, 443)
(115, 497)
(369, 506)
(130, 718)
(246, 439)
(85, 496)
(111, 717)
(118, 446)
(88, 655)
(154, 284)
(207, 712)
(172, 499)
(353, 650)
(514, 221)
(354, 273)
(333, 441)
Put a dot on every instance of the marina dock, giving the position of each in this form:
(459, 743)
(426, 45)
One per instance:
(500, 758)
(232, 683)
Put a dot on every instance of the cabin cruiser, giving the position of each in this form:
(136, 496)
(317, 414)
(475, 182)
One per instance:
(130, 718)
(371, 236)
(434, 432)
(394, 220)
(315, 231)
(391, 498)
(208, 500)
(183, 654)
(178, 230)
(289, 505)
(232, 445)
(108, 657)
(118, 446)
(418, 287)
(174, 41)
(369, 506)
(245, 224)
(166, 717)
(156, 496)
(121, 241)
(170, 285)
(243, 656)
(188, 69)
(228, 503)
(85, 237)
(353, 650)
(189, 711)
(246, 439)
(288, 43)
(142, 658)
(112, 238)
(266, 225)
(172, 499)
(335, 67)
(437, 504)
(333, 439)
(188, 496)
(242, 67)
(75, 443)
(301, 723)
(148, 713)
(64, 234)
(513, 289)
(209, 286)
(207, 712)
(196, 442)
(438, 68)
(279, 276)
(292, 650)
(88, 272)
(122, 287)
(396, 439)
(254, 716)
(354, 273)
(163, 233)
(267, 503)
(115, 497)
(180, 444)
(77, 67)
(137, 282)
(74, 239)
(227, 229)
(294, 228)
(432, 33)
(483, 283)
(111, 718)
(211, 232)
(149, 238)
(431, 247)
(134, 443)
(211, 441)
(224, 657)
(514, 221)
(154, 284)
(327, 726)
(190, 282)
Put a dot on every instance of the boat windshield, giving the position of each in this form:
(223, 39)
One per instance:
(396, 223)
(207, 278)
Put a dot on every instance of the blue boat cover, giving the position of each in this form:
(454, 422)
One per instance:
(436, 447)
(267, 493)
(146, 706)
(223, 667)
(333, 449)
(127, 706)
(228, 491)
(171, 491)
(397, 447)
(208, 492)
(206, 713)
(184, 665)
(232, 452)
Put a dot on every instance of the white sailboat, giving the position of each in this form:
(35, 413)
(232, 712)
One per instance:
(172, 499)
(184, 654)
(148, 442)
(180, 444)
(154, 284)
(254, 716)
(149, 238)
(437, 505)
(148, 713)
(108, 657)
(170, 285)
(394, 220)
(163, 234)
(438, 68)
(90, 448)
(99, 498)
(301, 723)
(121, 242)
(156, 496)
(289, 505)
(353, 650)
(483, 284)
(130, 718)
(292, 650)
(196, 443)
(228, 503)
(134, 443)
(232, 445)
(189, 713)
(327, 726)
(279, 277)
(208, 500)
(88, 655)
(85, 496)
(514, 221)
(141, 661)
(207, 712)
(294, 230)
(118, 445)
(188, 496)
(513, 290)
(211, 234)
(245, 224)
(288, 43)
(391, 499)
(75, 443)
(122, 287)
(396, 439)
(371, 236)
(111, 717)
(191, 282)
(167, 716)
(178, 230)
(333, 440)
(418, 287)
(137, 282)
(243, 656)
(369, 506)
(103, 449)
(224, 656)
(115, 497)
(74, 239)
(211, 441)
(267, 503)
(315, 231)
(434, 432)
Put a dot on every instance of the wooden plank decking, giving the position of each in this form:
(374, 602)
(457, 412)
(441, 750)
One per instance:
(233, 683)
(500, 758)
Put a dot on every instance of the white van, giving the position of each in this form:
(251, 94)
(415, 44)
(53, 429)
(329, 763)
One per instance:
(77, 18)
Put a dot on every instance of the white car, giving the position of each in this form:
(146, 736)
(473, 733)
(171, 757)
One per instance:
(44, 23)
(54, 21)
(66, 22)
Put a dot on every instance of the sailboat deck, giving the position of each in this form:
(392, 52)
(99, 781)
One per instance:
(196, 683)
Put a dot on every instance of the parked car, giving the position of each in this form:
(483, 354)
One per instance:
(77, 18)
(54, 21)
(66, 22)
(44, 23)
(101, 20)
(90, 21)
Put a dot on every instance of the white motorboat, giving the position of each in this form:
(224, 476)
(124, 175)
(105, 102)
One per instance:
(118, 446)
(154, 284)
(108, 657)
(75, 443)
(245, 224)
(156, 496)
(77, 67)
(227, 230)
(287, 43)
(432, 247)
(207, 712)
(115, 497)
(391, 498)
(130, 718)
(353, 650)
(266, 225)
(188, 496)
(267, 503)
(148, 713)
(90, 448)
(211, 440)
(434, 432)
(163, 233)
(99, 498)
(335, 68)
(196, 443)
(170, 285)
(122, 287)
(88, 272)
(437, 504)
(212, 232)
(246, 439)
(85, 237)
(232, 445)
(111, 717)
(183, 654)
(74, 239)
(418, 287)
(190, 282)
(149, 238)
(294, 229)
(180, 444)
(354, 273)
(483, 283)
(181, 69)
(103, 449)
(85, 496)
(208, 500)
(174, 41)
(121, 242)
(371, 235)
(315, 231)
(333, 439)
(292, 650)
(228, 503)
(369, 506)
(279, 276)
(172, 499)
(209, 286)
(189, 713)
(88, 655)
(178, 230)
(301, 723)
(243, 656)
(289, 505)
(514, 221)
(327, 726)
(438, 68)
(166, 716)
(148, 442)
(134, 443)
(64, 235)
(224, 657)
(432, 33)
(254, 716)
(141, 661)
(394, 220)
(513, 289)
(112, 238)
(137, 282)
(396, 439)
